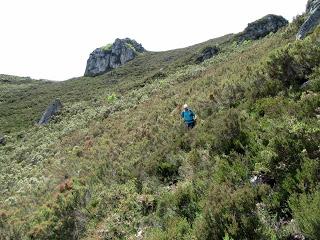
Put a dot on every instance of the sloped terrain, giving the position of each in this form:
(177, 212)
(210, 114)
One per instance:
(117, 162)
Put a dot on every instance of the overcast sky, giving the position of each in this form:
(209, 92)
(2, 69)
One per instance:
(52, 39)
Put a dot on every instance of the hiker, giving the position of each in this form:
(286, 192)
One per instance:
(188, 116)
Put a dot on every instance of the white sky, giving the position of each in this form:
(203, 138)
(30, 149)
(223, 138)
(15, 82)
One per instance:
(52, 39)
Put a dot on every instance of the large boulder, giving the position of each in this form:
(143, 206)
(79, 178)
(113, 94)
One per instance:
(52, 110)
(112, 56)
(313, 19)
(262, 27)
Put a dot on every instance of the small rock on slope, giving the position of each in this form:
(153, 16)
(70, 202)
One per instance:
(207, 53)
(51, 111)
(2, 140)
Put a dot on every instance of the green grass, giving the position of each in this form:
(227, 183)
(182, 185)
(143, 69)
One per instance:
(107, 47)
(118, 160)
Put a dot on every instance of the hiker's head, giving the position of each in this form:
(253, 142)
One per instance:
(185, 106)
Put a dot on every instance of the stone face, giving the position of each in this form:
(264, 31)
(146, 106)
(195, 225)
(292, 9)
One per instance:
(51, 111)
(262, 27)
(207, 53)
(313, 20)
(312, 5)
(120, 52)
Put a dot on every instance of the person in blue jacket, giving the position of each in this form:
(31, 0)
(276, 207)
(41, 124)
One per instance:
(188, 116)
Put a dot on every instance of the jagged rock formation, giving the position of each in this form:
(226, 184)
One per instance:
(313, 20)
(262, 27)
(112, 56)
(312, 5)
(51, 111)
(207, 53)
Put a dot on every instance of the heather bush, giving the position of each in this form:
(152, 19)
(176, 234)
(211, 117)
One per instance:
(137, 172)
(231, 212)
(306, 211)
(230, 133)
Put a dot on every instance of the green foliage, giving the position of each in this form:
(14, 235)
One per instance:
(129, 45)
(306, 211)
(246, 42)
(315, 80)
(289, 66)
(111, 98)
(229, 212)
(230, 133)
(63, 219)
(107, 47)
(178, 228)
(292, 64)
(227, 237)
(168, 171)
(137, 172)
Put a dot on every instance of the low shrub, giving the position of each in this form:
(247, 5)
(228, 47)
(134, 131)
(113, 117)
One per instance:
(230, 133)
(306, 212)
(168, 171)
(289, 66)
(229, 212)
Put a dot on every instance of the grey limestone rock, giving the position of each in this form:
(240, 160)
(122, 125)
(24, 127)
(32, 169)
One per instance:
(262, 27)
(113, 56)
(51, 111)
(313, 19)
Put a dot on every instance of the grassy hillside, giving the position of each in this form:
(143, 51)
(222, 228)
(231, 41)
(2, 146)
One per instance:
(117, 163)
(22, 100)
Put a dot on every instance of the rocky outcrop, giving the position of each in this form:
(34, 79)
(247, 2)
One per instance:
(112, 56)
(207, 53)
(52, 110)
(312, 5)
(313, 19)
(262, 27)
(2, 140)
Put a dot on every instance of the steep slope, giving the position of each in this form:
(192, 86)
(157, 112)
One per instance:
(118, 163)
(22, 105)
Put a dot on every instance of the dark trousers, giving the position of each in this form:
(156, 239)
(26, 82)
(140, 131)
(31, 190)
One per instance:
(190, 125)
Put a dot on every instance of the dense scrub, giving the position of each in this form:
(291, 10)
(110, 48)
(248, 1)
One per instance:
(122, 165)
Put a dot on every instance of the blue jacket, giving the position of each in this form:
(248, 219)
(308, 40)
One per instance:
(188, 116)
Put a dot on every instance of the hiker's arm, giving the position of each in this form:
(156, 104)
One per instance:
(182, 114)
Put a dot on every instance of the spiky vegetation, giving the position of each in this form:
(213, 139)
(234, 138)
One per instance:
(117, 163)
